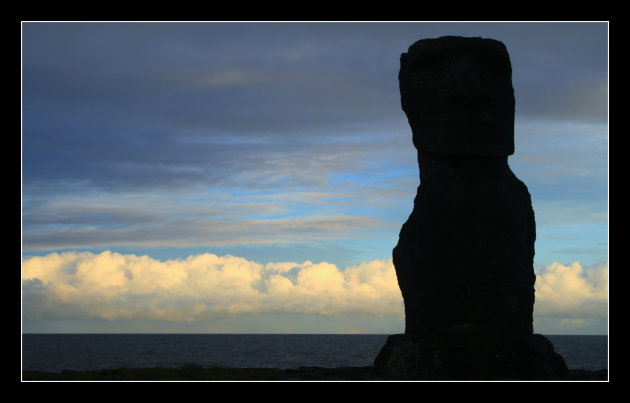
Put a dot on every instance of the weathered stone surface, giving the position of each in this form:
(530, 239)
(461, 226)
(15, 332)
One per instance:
(457, 94)
(471, 356)
(464, 259)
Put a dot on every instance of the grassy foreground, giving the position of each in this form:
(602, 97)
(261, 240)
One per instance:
(193, 372)
(187, 372)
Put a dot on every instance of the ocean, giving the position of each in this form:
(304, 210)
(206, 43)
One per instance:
(57, 352)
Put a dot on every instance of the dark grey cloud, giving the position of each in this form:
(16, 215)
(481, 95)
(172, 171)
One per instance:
(138, 104)
(144, 104)
(562, 72)
(128, 127)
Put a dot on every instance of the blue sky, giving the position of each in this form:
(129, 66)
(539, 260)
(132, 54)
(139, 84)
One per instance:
(259, 148)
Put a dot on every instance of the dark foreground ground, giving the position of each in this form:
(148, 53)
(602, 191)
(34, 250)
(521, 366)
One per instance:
(198, 373)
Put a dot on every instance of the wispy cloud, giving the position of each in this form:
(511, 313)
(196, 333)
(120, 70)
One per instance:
(193, 219)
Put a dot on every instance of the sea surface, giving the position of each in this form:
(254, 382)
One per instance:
(57, 352)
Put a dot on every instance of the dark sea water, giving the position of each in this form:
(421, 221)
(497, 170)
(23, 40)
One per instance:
(57, 352)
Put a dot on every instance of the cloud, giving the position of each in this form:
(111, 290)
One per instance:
(572, 291)
(195, 218)
(116, 286)
(125, 286)
(153, 135)
(145, 105)
(135, 110)
(189, 231)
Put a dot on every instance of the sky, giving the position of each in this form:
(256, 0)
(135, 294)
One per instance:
(252, 177)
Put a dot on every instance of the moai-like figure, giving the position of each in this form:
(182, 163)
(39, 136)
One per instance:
(464, 258)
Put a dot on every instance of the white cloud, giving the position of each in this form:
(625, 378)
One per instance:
(125, 286)
(112, 285)
(572, 291)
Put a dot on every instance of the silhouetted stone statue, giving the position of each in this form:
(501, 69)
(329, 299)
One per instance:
(464, 258)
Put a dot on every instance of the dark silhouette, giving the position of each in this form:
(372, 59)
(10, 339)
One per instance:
(464, 258)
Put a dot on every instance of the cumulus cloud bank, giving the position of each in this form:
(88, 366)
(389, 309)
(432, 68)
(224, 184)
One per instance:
(572, 290)
(116, 286)
(111, 285)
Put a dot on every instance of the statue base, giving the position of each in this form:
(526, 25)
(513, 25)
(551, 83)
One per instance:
(476, 356)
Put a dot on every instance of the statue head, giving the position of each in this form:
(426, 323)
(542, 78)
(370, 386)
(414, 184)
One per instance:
(458, 97)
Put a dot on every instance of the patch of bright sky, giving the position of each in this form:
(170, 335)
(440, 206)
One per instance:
(565, 167)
